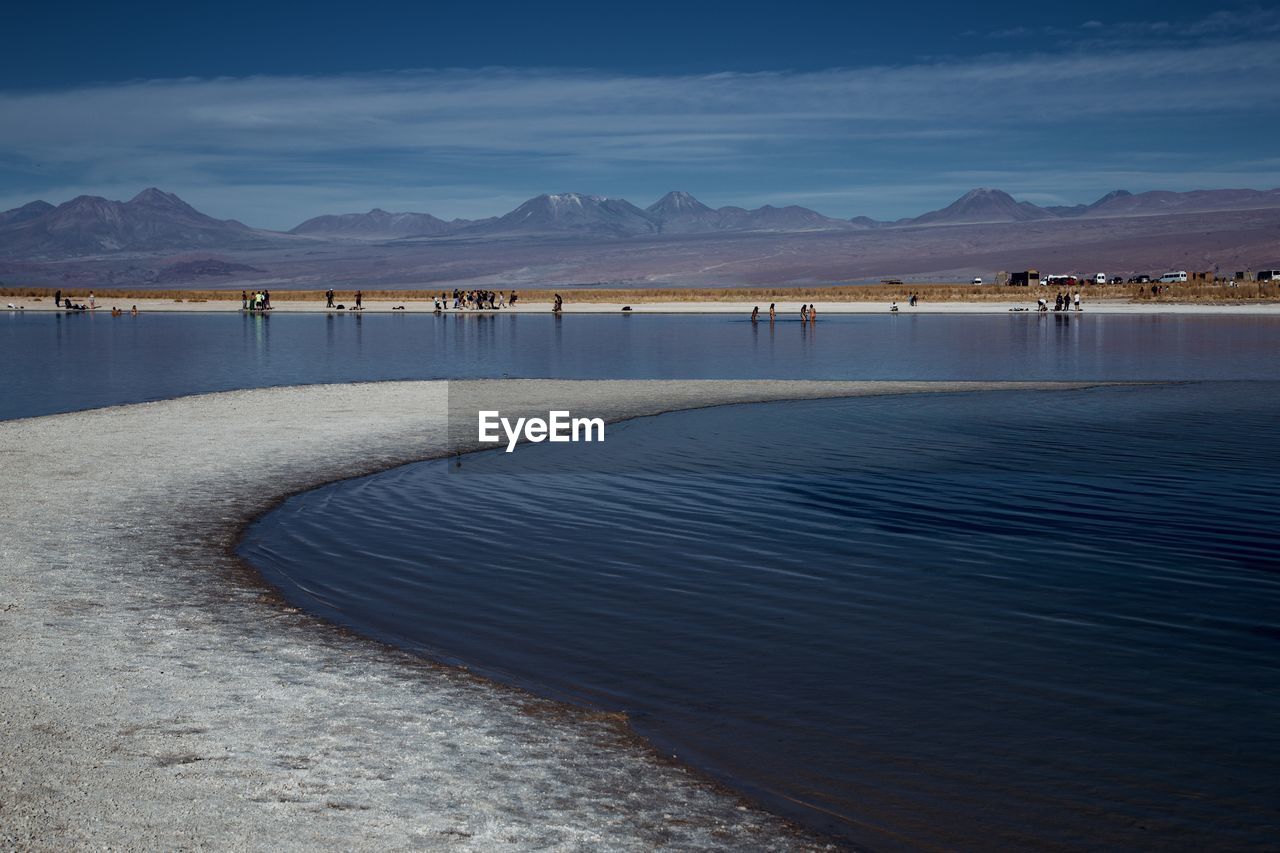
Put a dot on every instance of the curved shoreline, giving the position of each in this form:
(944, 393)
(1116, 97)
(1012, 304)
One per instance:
(154, 695)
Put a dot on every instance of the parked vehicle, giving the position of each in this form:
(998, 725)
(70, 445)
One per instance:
(1139, 279)
(1100, 278)
(1172, 277)
(1116, 279)
(1268, 275)
(977, 279)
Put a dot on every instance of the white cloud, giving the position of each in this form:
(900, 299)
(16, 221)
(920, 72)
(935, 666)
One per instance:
(273, 150)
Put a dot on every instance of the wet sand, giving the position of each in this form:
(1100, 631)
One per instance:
(153, 694)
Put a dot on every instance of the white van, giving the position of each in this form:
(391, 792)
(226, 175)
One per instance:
(1100, 278)
(977, 279)
(1171, 277)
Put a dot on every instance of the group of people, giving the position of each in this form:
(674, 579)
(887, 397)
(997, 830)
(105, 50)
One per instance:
(808, 313)
(90, 305)
(475, 300)
(357, 298)
(259, 300)
(1061, 302)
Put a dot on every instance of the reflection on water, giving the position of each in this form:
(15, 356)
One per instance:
(1003, 620)
(64, 362)
(257, 328)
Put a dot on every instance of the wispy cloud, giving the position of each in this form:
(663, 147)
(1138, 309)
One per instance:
(273, 150)
(1224, 26)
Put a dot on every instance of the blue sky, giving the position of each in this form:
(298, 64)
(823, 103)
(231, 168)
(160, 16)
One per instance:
(273, 115)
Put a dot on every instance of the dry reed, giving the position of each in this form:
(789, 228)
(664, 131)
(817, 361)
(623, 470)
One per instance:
(1197, 292)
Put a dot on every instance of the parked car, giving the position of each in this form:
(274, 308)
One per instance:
(977, 279)
(1117, 279)
(1139, 279)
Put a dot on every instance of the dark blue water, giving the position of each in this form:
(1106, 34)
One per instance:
(1000, 620)
(58, 363)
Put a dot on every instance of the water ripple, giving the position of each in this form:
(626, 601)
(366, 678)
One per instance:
(997, 620)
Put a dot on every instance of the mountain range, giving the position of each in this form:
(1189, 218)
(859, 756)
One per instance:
(680, 213)
(577, 214)
(89, 225)
(156, 221)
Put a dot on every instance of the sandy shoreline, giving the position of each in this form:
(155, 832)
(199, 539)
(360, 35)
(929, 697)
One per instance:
(153, 694)
(786, 310)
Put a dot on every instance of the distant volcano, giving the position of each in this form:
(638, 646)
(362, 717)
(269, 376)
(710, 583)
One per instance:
(680, 213)
(573, 213)
(982, 205)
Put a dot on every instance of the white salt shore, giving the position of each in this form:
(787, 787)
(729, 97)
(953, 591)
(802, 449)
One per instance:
(153, 694)
(1016, 303)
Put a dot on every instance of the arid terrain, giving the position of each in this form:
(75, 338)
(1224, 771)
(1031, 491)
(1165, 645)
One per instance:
(572, 241)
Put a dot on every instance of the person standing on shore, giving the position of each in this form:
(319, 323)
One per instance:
(773, 313)
(804, 313)
(57, 299)
(93, 303)
(328, 299)
(359, 299)
(1077, 300)
(558, 305)
(266, 300)
(813, 313)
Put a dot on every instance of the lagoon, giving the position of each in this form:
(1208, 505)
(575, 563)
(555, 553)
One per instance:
(59, 363)
(1012, 619)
